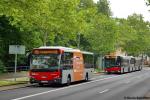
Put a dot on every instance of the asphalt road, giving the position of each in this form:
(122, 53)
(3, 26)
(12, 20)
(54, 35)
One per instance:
(130, 86)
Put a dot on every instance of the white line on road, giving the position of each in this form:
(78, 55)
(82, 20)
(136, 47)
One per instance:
(63, 88)
(104, 91)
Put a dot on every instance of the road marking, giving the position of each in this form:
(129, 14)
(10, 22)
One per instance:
(104, 91)
(63, 88)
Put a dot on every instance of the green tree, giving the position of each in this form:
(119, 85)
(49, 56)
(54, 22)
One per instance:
(85, 4)
(102, 34)
(44, 16)
(141, 43)
(125, 34)
(103, 7)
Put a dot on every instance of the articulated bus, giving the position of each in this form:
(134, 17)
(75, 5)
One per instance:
(122, 64)
(60, 65)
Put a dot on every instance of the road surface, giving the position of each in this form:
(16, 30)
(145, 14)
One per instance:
(130, 86)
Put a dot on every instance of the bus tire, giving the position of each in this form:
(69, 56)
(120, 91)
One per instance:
(68, 80)
(86, 77)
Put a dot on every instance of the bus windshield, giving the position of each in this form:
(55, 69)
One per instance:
(110, 62)
(50, 61)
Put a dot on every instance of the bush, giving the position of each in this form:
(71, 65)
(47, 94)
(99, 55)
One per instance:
(2, 67)
(98, 70)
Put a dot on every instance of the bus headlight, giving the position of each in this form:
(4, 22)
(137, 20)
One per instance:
(34, 74)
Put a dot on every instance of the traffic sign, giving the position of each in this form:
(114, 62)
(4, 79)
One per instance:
(16, 49)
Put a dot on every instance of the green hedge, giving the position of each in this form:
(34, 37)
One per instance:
(2, 67)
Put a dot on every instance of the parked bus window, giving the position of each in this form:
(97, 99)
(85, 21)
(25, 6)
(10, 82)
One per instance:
(67, 61)
(132, 61)
(88, 60)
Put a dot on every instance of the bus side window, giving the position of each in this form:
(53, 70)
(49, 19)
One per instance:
(88, 61)
(66, 61)
(132, 61)
(125, 62)
(118, 61)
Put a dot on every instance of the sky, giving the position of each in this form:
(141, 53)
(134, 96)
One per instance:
(123, 8)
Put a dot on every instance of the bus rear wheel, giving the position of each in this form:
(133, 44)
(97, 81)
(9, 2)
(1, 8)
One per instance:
(86, 77)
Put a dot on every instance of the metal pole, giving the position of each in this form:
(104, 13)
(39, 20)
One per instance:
(15, 66)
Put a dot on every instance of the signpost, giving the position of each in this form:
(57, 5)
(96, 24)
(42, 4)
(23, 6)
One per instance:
(16, 49)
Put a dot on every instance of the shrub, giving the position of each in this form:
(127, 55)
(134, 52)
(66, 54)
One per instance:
(2, 67)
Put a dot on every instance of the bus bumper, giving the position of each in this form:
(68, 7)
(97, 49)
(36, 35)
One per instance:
(113, 69)
(54, 81)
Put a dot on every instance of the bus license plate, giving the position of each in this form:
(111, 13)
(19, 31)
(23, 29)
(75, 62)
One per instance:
(44, 81)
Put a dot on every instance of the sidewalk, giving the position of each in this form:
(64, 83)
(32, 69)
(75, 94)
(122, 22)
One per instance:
(7, 80)
(99, 72)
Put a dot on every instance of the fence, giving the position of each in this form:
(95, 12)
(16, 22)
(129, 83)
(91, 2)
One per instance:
(19, 68)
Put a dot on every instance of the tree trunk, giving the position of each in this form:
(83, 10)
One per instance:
(45, 39)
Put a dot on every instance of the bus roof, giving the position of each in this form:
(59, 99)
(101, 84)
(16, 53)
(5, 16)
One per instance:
(55, 47)
(128, 57)
(66, 49)
(125, 57)
(85, 52)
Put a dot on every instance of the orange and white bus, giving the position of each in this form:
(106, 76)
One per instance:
(60, 65)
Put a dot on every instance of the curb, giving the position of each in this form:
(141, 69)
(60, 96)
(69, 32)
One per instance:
(99, 73)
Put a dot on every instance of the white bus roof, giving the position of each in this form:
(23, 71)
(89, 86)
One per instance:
(85, 52)
(54, 47)
(64, 48)
(127, 57)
